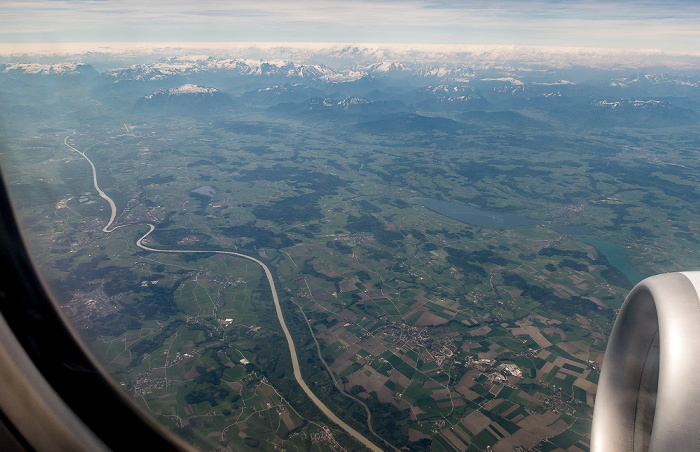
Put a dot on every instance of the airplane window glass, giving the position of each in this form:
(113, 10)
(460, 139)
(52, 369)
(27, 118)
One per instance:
(276, 236)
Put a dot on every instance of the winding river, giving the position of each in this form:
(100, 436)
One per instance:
(292, 350)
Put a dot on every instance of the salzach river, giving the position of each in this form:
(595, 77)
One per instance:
(292, 350)
(613, 252)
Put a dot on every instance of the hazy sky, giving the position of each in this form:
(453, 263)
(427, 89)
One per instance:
(672, 25)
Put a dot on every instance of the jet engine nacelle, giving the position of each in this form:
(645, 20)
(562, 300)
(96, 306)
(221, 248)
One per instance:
(648, 397)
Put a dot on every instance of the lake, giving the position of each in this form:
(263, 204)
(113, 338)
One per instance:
(616, 255)
(474, 216)
(613, 252)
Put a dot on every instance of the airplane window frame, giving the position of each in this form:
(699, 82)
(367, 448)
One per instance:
(33, 334)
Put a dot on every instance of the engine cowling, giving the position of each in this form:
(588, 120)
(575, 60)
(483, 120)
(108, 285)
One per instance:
(647, 398)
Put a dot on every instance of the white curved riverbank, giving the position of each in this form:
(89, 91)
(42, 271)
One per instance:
(97, 187)
(292, 349)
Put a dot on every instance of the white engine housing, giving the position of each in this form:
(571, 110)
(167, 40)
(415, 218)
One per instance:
(646, 398)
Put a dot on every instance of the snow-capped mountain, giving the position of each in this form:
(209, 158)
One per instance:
(189, 98)
(275, 94)
(67, 69)
(339, 108)
(664, 84)
(450, 97)
(356, 80)
(200, 91)
(192, 66)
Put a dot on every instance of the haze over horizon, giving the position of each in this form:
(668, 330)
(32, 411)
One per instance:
(632, 25)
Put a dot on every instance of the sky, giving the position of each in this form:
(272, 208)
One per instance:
(671, 26)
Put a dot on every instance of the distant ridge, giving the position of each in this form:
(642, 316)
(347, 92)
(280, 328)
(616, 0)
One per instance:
(411, 122)
(188, 98)
(477, 56)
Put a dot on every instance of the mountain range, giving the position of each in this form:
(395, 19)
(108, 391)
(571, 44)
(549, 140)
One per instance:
(361, 84)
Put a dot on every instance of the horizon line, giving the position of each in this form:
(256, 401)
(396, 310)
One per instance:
(105, 46)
